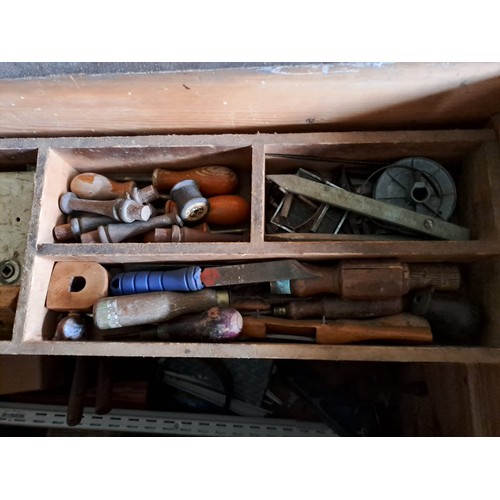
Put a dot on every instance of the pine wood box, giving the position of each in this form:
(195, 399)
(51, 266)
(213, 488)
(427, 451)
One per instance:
(469, 154)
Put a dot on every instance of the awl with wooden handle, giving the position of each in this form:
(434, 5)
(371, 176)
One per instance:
(405, 328)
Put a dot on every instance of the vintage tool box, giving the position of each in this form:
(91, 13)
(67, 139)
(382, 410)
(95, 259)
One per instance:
(470, 154)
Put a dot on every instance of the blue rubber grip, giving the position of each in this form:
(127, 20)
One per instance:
(181, 280)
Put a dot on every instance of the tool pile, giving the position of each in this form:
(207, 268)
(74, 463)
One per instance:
(411, 198)
(347, 301)
(177, 206)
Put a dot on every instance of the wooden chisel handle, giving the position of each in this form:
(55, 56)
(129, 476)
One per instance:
(156, 307)
(211, 180)
(355, 279)
(375, 279)
(333, 307)
(401, 327)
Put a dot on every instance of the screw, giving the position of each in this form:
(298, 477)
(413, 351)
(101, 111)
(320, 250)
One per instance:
(428, 224)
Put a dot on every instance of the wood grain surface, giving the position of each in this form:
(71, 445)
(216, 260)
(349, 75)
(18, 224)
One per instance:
(337, 96)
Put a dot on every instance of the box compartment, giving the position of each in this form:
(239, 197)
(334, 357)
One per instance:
(471, 156)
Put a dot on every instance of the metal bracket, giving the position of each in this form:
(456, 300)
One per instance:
(363, 205)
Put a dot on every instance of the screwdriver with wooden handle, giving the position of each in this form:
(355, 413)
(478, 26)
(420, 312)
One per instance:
(404, 327)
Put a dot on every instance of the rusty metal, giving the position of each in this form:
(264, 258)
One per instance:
(424, 224)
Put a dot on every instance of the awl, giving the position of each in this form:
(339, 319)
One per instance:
(195, 278)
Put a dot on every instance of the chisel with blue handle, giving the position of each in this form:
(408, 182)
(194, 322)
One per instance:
(194, 278)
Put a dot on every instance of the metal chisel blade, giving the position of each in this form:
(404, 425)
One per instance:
(258, 272)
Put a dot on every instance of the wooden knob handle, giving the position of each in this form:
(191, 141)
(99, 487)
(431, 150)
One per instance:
(91, 186)
(228, 210)
(211, 180)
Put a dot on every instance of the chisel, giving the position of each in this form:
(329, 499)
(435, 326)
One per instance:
(195, 278)
(351, 279)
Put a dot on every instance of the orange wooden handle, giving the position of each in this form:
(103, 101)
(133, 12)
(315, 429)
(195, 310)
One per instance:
(228, 210)
(211, 180)
(403, 327)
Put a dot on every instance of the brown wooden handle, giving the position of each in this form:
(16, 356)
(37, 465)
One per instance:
(156, 307)
(326, 282)
(91, 186)
(356, 279)
(400, 327)
(228, 210)
(335, 308)
(259, 327)
(211, 180)
(441, 277)
(215, 325)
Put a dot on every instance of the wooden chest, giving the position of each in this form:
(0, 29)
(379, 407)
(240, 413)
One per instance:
(468, 147)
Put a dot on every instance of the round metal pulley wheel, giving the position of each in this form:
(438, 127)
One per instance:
(418, 184)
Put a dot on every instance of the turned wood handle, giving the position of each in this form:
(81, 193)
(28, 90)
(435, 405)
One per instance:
(156, 307)
(211, 180)
(358, 280)
(400, 328)
(90, 186)
(228, 210)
